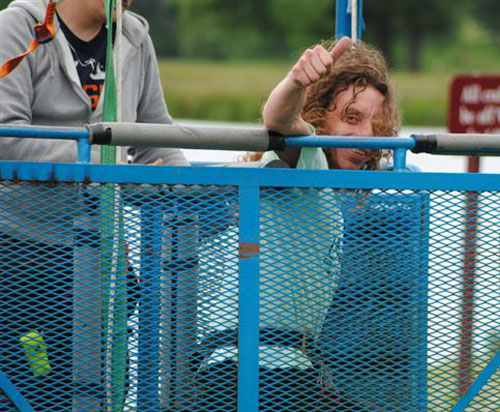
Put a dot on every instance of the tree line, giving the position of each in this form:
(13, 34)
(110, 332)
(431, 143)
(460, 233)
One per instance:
(254, 29)
(236, 29)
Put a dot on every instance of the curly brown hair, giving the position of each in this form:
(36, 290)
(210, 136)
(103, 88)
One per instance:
(361, 66)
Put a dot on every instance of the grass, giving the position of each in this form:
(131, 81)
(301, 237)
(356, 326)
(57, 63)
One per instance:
(423, 97)
(235, 91)
(214, 90)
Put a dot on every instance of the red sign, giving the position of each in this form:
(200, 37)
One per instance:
(475, 104)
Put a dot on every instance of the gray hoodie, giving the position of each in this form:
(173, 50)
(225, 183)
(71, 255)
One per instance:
(45, 90)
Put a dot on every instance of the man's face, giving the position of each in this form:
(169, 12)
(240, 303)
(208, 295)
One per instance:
(93, 9)
(357, 120)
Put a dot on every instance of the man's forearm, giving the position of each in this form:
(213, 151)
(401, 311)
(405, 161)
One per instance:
(282, 111)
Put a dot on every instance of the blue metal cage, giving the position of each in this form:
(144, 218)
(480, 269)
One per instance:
(246, 289)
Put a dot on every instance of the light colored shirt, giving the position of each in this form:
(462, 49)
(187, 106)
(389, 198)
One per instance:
(300, 245)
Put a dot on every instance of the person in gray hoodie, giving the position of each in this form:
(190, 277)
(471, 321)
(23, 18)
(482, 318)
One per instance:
(59, 84)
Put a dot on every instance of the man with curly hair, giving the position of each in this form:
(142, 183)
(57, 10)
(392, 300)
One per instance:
(334, 89)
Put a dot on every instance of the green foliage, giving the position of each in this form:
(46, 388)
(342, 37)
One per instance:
(280, 29)
(303, 23)
(224, 29)
(470, 57)
(410, 23)
(487, 12)
(4, 4)
(229, 29)
(163, 24)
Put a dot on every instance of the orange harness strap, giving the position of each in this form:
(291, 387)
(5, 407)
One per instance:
(42, 33)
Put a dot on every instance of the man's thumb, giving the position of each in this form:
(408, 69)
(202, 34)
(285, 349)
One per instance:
(340, 47)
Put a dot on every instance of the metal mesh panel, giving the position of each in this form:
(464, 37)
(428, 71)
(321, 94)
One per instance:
(352, 267)
(126, 297)
(463, 296)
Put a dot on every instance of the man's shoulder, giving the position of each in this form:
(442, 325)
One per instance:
(135, 27)
(19, 11)
(16, 25)
(16, 16)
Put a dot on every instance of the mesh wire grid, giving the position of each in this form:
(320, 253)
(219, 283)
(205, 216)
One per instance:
(126, 297)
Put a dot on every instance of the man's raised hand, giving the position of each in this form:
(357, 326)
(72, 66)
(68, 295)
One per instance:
(316, 61)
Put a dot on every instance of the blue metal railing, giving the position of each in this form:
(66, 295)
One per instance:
(80, 135)
(255, 139)
(84, 137)
(252, 184)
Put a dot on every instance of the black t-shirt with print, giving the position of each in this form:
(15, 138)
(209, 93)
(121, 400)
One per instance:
(90, 61)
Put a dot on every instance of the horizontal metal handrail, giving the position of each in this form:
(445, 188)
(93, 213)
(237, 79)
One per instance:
(251, 139)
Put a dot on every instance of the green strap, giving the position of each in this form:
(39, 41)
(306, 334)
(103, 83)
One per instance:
(114, 294)
(108, 153)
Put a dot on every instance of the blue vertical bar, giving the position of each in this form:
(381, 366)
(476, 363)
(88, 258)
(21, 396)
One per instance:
(399, 160)
(83, 145)
(343, 19)
(248, 302)
(149, 310)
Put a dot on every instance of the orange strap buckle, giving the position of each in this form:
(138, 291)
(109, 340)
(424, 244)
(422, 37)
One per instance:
(42, 33)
